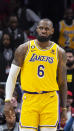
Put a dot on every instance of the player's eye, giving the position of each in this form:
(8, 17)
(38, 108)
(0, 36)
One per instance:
(41, 28)
(46, 29)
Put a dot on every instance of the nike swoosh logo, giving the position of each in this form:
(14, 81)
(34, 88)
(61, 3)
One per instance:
(51, 96)
(52, 53)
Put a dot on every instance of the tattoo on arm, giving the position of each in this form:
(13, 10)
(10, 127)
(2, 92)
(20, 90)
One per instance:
(63, 71)
(62, 82)
(19, 55)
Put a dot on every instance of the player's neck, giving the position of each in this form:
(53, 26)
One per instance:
(44, 45)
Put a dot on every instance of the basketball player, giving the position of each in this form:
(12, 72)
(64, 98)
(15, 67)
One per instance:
(43, 73)
(66, 30)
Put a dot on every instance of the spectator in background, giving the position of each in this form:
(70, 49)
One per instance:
(28, 20)
(2, 116)
(66, 30)
(70, 124)
(69, 102)
(70, 69)
(16, 33)
(2, 94)
(13, 118)
(1, 29)
(5, 122)
(8, 121)
(70, 83)
(16, 104)
(7, 51)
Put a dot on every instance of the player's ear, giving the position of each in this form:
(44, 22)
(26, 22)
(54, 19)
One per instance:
(52, 31)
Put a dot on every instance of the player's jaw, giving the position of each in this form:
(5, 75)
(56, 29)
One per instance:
(43, 38)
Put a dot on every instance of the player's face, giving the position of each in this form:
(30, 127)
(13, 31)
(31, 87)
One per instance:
(44, 31)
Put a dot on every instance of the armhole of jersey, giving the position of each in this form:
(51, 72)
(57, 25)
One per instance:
(57, 55)
(61, 25)
(27, 50)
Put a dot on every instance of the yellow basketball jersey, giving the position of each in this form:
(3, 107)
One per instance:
(66, 37)
(40, 68)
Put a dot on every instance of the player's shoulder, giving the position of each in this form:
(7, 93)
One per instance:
(61, 52)
(22, 50)
(60, 49)
(25, 45)
(22, 47)
(20, 53)
(61, 22)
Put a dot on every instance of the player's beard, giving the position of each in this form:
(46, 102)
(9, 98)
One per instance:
(43, 38)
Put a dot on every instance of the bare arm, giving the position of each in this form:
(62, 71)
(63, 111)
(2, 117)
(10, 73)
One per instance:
(62, 82)
(11, 80)
(62, 78)
(15, 69)
(20, 53)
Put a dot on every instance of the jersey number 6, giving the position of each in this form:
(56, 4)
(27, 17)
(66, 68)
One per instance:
(40, 70)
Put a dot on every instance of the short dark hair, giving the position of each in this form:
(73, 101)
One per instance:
(69, 50)
(45, 19)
